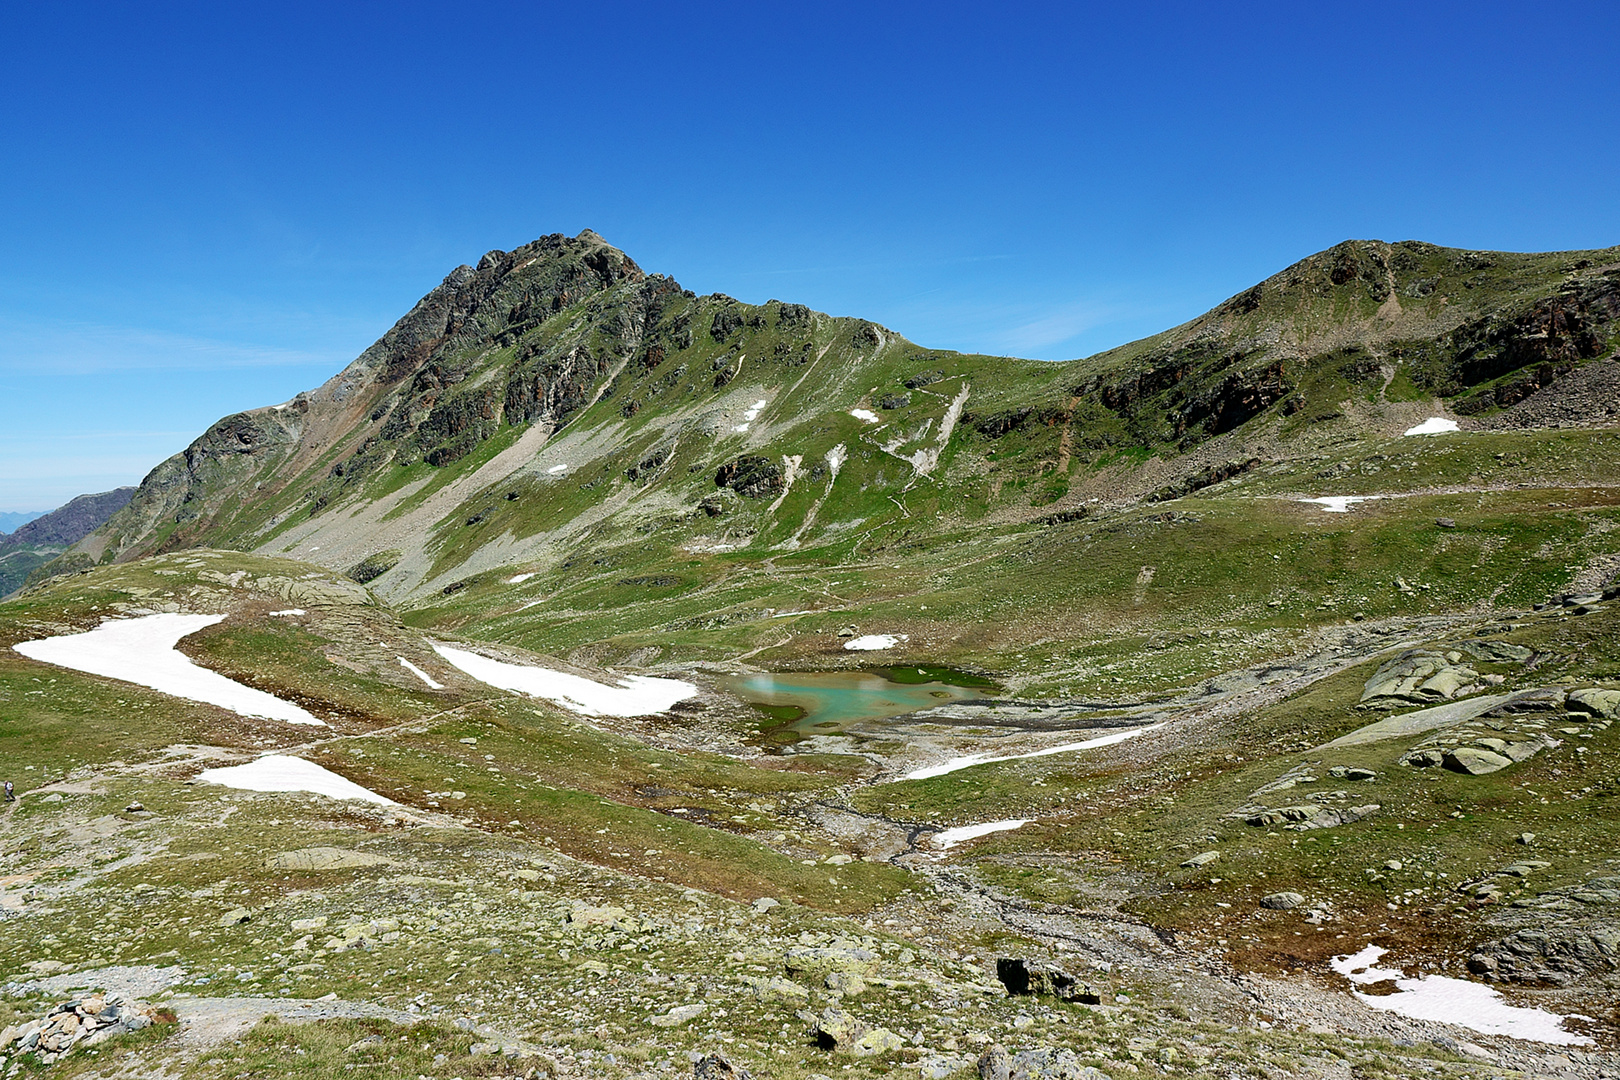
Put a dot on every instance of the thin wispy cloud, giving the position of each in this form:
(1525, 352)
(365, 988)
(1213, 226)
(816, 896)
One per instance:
(87, 349)
(1058, 330)
(87, 436)
(1053, 326)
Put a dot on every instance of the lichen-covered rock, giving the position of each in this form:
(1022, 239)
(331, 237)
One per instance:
(1021, 976)
(1475, 761)
(835, 1029)
(1420, 675)
(1595, 702)
(1311, 816)
(996, 1063)
(822, 961)
(778, 989)
(876, 1041)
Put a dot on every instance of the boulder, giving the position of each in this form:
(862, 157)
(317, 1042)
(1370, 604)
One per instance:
(679, 1015)
(778, 989)
(584, 916)
(716, 1067)
(1540, 699)
(845, 982)
(940, 1066)
(996, 1063)
(1604, 704)
(1282, 901)
(1281, 814)
(835, 1029)
(820, 962)
(1474, 761)
(877, 1041)
(1202, 859)
(1021, 976)
(1497, 652)
(1352, 772)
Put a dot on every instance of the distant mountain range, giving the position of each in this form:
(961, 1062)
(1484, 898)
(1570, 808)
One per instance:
(36, 539)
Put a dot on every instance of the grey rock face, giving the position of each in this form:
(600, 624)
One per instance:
(751, 476)
(1564, 937)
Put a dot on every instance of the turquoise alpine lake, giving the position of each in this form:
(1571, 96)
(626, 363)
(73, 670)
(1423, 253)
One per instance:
(831, 700)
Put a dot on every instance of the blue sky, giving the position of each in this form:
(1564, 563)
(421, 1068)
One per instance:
(205, 208)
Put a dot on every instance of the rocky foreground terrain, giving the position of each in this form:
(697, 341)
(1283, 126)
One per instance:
(1171, 712)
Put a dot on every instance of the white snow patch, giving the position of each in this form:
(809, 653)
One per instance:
(291, 611)
(636, 695)
(1452, 1001)
(984, 759)
(518, 579)
(1434, 425)
(874, 642)
(751, 415)
(947, 838)
(420, 674)
(555, 469)
(278, 772)
(1340, 504)
(864, 414)
(142, 651)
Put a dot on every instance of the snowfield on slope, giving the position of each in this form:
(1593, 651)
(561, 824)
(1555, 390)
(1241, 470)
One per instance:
(142, 651)
(1434, 425)
(636, 695)
(1452, 1001)
(874, 642)
(279, 772)
(1340, 504)
(433, 683)
(949, 838)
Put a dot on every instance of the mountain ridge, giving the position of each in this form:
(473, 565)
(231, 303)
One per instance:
(533, 339)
